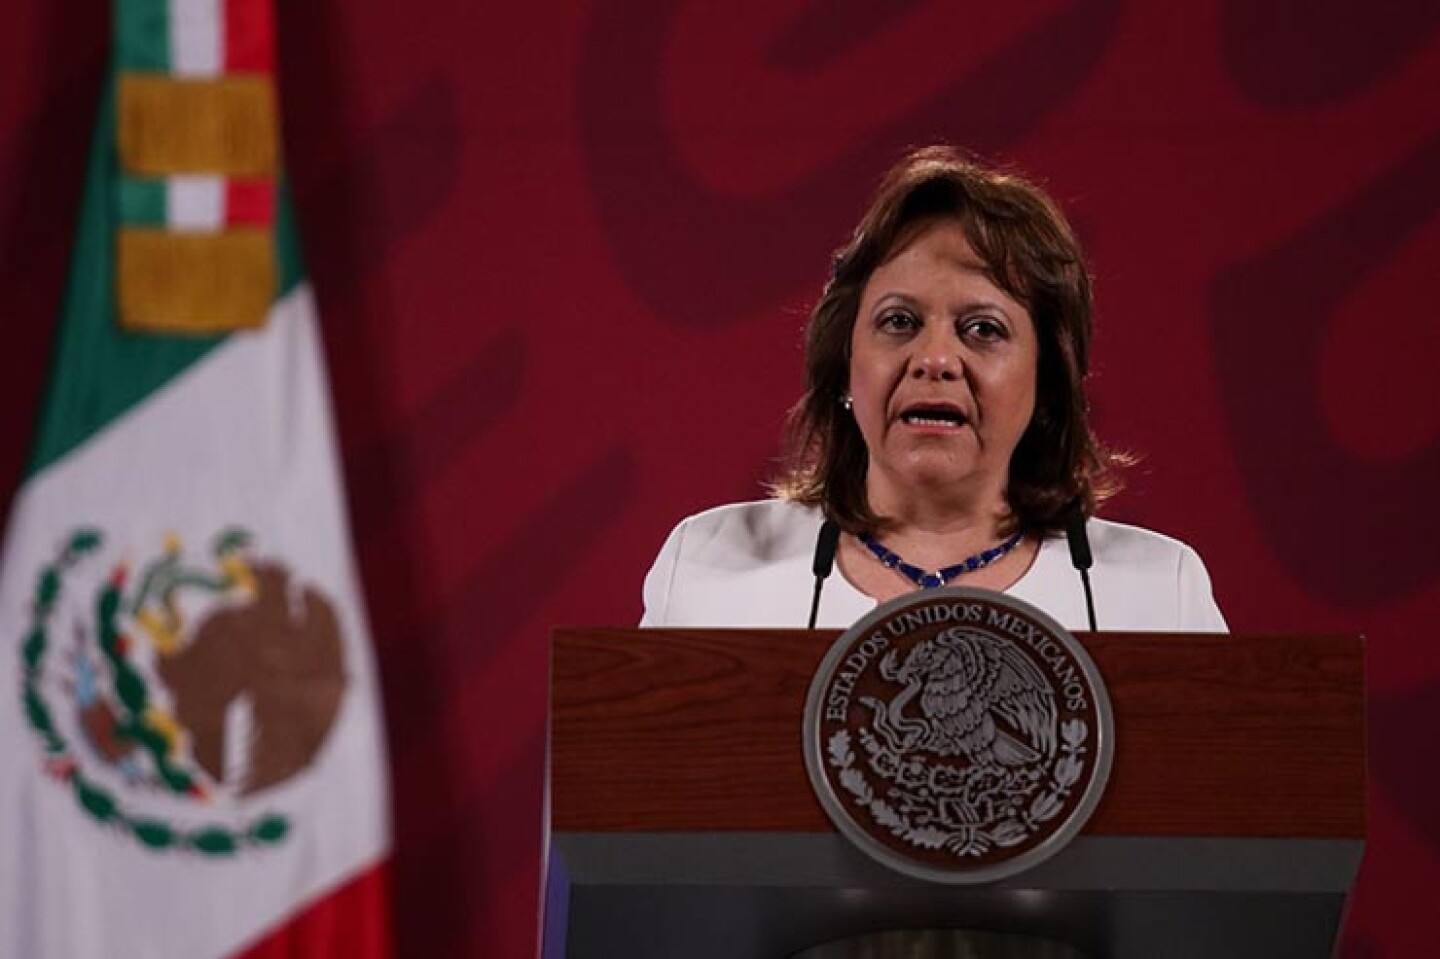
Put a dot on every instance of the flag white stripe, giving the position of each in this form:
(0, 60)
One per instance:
(197, 37)
(195, 203)
(73, 887)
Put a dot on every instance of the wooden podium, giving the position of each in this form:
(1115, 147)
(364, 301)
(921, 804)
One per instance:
(682, 821)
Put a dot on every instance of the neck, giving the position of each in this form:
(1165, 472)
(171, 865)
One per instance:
(959, 513)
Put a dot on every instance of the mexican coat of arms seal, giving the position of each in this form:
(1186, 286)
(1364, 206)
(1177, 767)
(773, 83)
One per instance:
(958, 735)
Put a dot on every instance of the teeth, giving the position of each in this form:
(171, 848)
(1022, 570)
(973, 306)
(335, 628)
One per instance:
(922, 420)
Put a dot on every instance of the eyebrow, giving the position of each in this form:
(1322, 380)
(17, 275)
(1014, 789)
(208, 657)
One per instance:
(907, 300)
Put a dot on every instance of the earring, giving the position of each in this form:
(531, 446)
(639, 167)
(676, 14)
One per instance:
(847, 402)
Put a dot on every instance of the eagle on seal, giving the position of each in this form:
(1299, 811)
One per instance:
(965, 679)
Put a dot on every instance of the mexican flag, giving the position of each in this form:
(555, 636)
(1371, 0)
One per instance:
(189, 711)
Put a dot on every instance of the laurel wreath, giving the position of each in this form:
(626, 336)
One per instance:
(972, 840)
(133, 693)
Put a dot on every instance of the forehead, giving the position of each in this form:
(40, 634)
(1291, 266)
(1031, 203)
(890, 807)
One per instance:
(949, 232)
(934, 248)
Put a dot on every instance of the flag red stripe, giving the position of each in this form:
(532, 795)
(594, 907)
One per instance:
(249, 36)
(353, 921)
(249, 202)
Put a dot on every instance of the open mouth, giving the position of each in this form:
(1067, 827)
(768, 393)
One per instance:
(932, 415)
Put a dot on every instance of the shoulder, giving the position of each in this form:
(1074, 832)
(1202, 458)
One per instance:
(743, 564)
(762, 530)
(1134, 546)
(1154, 581)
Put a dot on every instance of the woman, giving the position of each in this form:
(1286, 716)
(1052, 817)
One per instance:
(943, 427)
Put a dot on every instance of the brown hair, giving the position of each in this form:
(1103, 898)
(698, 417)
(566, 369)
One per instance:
(1031, 253)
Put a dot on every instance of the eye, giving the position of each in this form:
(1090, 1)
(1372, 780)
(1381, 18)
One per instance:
(897, 321)
(984, 329)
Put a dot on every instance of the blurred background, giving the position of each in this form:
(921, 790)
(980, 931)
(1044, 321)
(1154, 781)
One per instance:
(563, 253)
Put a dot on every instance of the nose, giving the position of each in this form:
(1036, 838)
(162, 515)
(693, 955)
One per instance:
(935, 358)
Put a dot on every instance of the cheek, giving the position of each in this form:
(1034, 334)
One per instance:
(1011, 396)
(865, 396)
(862, 377)
(1031, 398)
(867, 390)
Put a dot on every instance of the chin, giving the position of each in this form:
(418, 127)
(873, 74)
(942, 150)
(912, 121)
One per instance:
(943, 473)
(936, 476)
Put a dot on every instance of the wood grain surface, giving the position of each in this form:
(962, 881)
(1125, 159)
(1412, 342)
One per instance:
(700, 730)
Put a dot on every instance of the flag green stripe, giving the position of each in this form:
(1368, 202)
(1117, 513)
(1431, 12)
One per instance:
(100, 372)
(142, 35)
(141, 201)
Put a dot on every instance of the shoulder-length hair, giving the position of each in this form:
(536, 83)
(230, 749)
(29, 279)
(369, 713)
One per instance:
(1029, 251)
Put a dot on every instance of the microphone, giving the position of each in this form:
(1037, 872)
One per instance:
(1080, 556)
(825, 545)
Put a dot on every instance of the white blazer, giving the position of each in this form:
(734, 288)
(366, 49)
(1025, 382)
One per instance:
(749, 565)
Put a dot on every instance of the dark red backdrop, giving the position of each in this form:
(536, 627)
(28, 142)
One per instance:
(563, 253)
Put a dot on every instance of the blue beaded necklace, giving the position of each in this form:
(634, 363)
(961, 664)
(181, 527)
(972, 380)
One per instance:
(940, 577)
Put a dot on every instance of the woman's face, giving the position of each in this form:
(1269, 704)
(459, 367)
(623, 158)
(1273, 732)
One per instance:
(942, 374)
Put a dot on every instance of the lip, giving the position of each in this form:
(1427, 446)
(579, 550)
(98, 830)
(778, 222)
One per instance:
(915, 409)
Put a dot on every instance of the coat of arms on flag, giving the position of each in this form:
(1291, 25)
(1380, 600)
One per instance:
(168, 694)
